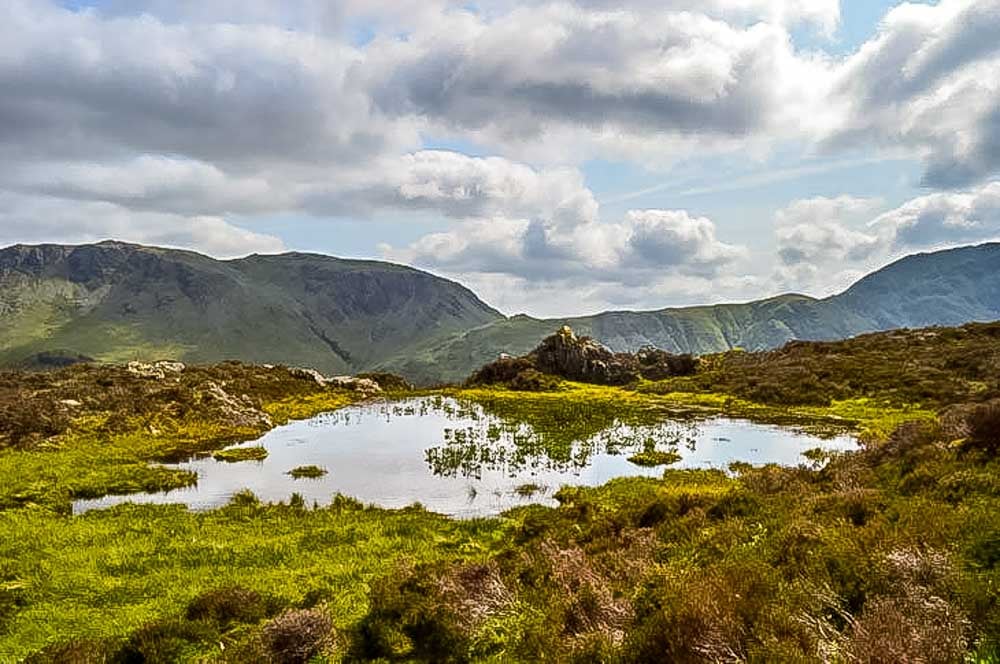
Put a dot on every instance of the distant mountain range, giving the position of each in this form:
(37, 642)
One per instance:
(116, 302)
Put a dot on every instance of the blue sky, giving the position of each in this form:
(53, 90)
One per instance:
(558, 156)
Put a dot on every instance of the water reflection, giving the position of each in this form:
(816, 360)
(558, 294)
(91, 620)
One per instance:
(475, 458)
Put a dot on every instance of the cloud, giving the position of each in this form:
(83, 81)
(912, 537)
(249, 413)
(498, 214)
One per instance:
(152, 182)
(458, 186)
(549, 75)
(944, 219)
(825, 244)
(46, 219)
(928, 83)
(79, 85)
(628, 252)
(818, 231)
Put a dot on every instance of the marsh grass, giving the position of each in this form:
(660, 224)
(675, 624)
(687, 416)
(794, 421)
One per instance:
(307, 472)
(238, 454)
(651, 458)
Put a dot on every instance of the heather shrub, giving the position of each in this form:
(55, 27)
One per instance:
(984, 428)
(915, 627)
(224, 607)
(78, 651)
(298, 635)
(164, 642)
(431, 612)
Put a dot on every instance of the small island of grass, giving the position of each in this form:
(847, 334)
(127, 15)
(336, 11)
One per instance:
(528, 490)
(307, 472)
(652, 458)
(236, 454)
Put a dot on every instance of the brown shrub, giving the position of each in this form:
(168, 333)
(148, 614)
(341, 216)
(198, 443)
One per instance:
(298, 635)
(984, 428)
(225, 607)
(916, 628)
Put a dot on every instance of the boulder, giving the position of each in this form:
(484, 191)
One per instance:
(145, 370)
(308, 374)
(170, 366)
(234, 410)
(365, 386)
(583, 359)
(155, 371)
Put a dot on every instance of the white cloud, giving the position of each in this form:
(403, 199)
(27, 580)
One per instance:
(927, 82)
(642, 245)
(45, 219)
(818, 231)
(826, 244)
(561, 79)
(944, 219)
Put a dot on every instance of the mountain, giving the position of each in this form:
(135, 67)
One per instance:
(116, 302)
(941, 288)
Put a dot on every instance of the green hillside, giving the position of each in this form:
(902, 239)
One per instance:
(941, 288)
(118, 302)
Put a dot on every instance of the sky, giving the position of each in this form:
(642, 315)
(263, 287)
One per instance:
(559, 157)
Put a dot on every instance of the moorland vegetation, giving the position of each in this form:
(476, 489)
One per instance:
(889, 553)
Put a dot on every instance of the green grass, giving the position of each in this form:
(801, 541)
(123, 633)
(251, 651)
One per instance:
(307, 472)
(653, 458)
(108, 572)
(238, 454)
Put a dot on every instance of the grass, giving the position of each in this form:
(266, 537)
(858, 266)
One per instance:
(528, 489)
(109, 572)
(238, 454)
(653, 458)
(307, 472)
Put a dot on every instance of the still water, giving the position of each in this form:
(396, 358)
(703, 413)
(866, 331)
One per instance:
(457, 458)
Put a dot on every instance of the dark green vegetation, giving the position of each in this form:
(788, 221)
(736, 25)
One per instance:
(118, 302)
(890, 554)
(942, 288)
(307, 472)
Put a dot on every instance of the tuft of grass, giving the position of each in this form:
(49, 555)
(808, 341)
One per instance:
(238, 454)
(653, 458)
(307, 472)
(528, 489)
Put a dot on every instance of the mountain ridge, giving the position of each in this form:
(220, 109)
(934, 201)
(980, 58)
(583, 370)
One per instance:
(117, 301)
(964, 286)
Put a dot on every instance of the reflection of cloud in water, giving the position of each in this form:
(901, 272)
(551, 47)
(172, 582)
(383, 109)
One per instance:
(474, 459)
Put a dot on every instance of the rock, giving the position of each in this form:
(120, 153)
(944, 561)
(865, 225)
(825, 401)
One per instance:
(308, 374)
(237, 411)
(155, 371)
(581, 358)
(365, 386)
(170, 366)
(71, 403)
(144, 370)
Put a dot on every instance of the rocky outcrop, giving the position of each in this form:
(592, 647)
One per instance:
(365, 386)
(155, 371)
(564, 355)
(583, 359)
(237, 411)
